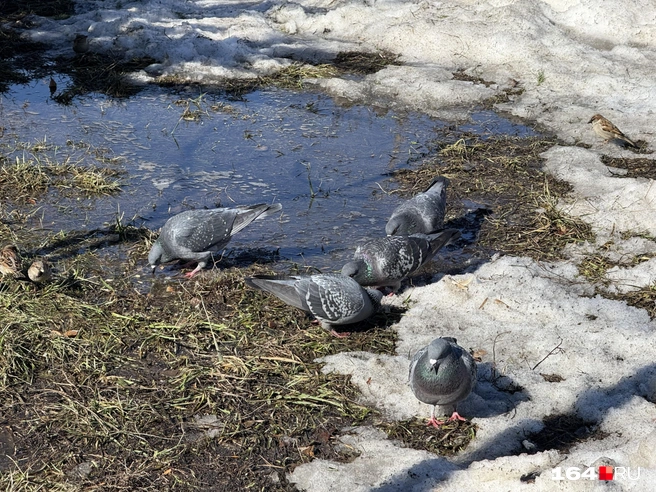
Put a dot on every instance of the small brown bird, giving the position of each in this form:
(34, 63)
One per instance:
(10, 261)
(52, 85)
(39, 271)
(81, 44)
(609, 132)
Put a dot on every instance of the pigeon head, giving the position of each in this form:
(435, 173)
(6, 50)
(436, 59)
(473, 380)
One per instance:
(400, 225)
(438, 350)
(359, 270)
(156, 255)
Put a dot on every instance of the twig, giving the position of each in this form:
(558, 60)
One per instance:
(553, 350)
(494, 354)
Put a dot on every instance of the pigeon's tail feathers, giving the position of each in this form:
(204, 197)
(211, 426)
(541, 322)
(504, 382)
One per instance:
(440, 239)
(280, 286)
(248, 214)
(441, 181)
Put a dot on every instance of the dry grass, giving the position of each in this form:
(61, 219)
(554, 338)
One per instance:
(191, 385)
(636, 168)
(31, 176)
(449, 439)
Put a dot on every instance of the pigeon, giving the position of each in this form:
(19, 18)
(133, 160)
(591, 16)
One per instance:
(194, 234)
(423, 213)
(442, 373)
(389, 260)
(333, 299)
(10, 262)
(39, 271)
(609, 132)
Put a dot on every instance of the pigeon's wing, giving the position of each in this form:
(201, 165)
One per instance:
(285, 288)
(188, 227)
(332, 297)
(247, 214)
(469, 364)
(413, 363)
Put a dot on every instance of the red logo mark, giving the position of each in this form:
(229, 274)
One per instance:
(605, 473)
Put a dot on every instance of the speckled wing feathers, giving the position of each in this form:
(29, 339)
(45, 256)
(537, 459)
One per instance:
(333, 299)
(388, 260)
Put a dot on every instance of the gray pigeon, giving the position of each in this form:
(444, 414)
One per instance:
(332, 298)
(194, 234)
(388, 260)
(423, 213)
(442, 373)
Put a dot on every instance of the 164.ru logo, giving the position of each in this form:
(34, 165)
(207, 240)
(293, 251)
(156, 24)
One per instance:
(601, 473)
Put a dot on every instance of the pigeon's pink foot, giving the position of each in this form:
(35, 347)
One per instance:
(456, 416)
(193, 272)
(343, 334)
(435, 423)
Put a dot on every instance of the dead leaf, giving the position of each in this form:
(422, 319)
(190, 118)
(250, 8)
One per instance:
(478, 354)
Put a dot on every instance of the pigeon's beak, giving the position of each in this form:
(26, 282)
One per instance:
(154, 267)
(434, 364)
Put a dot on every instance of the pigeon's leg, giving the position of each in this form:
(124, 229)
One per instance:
(433, 421)
(456, 416)
(343, 334)
(198, 268)
(329, 328)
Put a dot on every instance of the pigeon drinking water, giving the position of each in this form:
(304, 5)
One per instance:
(423, 213)
(332, 298)
(442, 373)
(194, 234)
(389, 260)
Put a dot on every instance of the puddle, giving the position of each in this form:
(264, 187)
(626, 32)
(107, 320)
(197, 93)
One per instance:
(326, 164)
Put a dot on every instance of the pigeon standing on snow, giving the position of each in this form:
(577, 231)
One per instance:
(423, 213)
(332, 298)
(194, 234)
(387, 261)
(442, 373)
